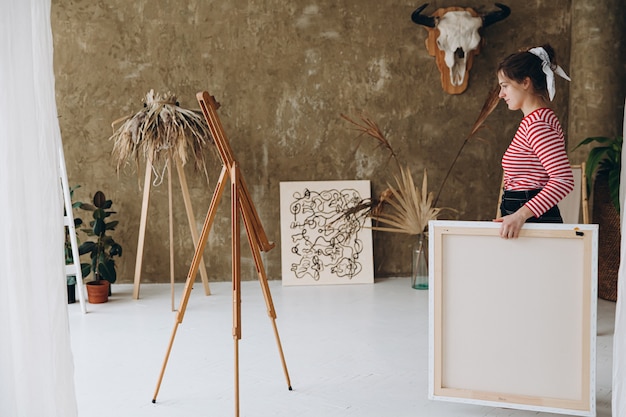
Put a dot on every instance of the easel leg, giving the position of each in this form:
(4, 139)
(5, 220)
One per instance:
(192, 222)
(236, 276)
(271, 312)
(143, 222)
(193, 270)
(142, 227)
(167, 356)
(171, 221)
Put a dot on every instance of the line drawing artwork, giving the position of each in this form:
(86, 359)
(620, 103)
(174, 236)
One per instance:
(320, 243)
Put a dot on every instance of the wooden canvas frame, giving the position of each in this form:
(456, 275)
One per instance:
(513, 322)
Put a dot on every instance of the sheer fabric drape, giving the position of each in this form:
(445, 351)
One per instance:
(619, 338)
(36, 368)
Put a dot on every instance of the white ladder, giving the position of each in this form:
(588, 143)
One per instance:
(68, 220)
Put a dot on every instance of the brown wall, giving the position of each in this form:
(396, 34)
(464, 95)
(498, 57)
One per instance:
(598, 70)
(283, 73)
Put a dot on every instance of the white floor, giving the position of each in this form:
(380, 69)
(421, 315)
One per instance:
(358, 350)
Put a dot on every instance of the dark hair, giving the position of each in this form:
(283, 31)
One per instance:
(524, 64)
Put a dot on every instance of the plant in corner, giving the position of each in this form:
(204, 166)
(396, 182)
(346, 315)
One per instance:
(102, 251)
(604, 161)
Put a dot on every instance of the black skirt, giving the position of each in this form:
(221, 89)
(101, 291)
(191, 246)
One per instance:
(514, 200)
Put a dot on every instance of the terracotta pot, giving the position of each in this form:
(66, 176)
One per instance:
(98, 291)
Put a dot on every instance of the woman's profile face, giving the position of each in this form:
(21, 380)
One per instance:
(512, 92)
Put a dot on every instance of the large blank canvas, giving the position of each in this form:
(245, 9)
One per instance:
(513, 321)
(320, 243)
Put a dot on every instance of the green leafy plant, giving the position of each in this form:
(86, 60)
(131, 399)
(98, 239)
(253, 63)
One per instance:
(104, 249)
(69, 259)
(605, 159)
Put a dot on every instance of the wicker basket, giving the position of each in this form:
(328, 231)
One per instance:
(607, 217)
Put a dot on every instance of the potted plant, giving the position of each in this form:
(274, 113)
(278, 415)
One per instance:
(604, 161)
(101, 251)
(69, 259)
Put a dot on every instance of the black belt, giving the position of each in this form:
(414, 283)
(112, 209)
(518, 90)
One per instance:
(520, 195)
(513, 200)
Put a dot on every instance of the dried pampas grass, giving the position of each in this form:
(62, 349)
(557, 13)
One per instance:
(411, 207)
(406, 208)
(162, 131)
(403, 208)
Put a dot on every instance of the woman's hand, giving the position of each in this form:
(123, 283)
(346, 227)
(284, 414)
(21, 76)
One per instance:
(512, 223)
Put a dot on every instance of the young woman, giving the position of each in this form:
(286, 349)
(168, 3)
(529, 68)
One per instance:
(537, 173)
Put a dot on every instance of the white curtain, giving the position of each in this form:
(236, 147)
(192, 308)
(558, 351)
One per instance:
(36, 366)
(619, 338)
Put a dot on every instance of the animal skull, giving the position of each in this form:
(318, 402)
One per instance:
(454, 38)
(458, 33)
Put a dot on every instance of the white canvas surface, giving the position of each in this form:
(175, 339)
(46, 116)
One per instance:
(512, 322)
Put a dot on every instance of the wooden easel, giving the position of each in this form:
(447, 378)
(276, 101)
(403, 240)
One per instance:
(142, 226)
(241, 205)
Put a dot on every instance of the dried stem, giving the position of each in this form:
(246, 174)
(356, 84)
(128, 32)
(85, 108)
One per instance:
(410, 208)
(488, 107)
(370, 128)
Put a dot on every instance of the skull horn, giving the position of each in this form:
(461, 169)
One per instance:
(493, 17)
(416, 17)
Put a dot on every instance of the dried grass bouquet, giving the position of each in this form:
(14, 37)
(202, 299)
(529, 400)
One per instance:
(160, 132)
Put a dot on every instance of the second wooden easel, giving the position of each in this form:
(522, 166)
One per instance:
(142, 225)
(241, 207)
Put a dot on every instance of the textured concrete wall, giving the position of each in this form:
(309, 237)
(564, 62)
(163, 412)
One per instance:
(284, 72)
(598, 70)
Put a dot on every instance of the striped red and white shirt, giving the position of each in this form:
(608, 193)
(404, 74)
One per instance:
(536, 158)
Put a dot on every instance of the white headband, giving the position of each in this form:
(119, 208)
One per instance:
(549, 69)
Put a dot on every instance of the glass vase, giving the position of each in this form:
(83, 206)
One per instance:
(419, 266)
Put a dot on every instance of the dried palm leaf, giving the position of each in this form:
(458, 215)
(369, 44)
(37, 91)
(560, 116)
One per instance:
(410, 208)
(162, 131)
(488, 107)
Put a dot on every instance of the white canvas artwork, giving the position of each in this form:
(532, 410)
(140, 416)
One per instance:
(513, 321)
(320, 243)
